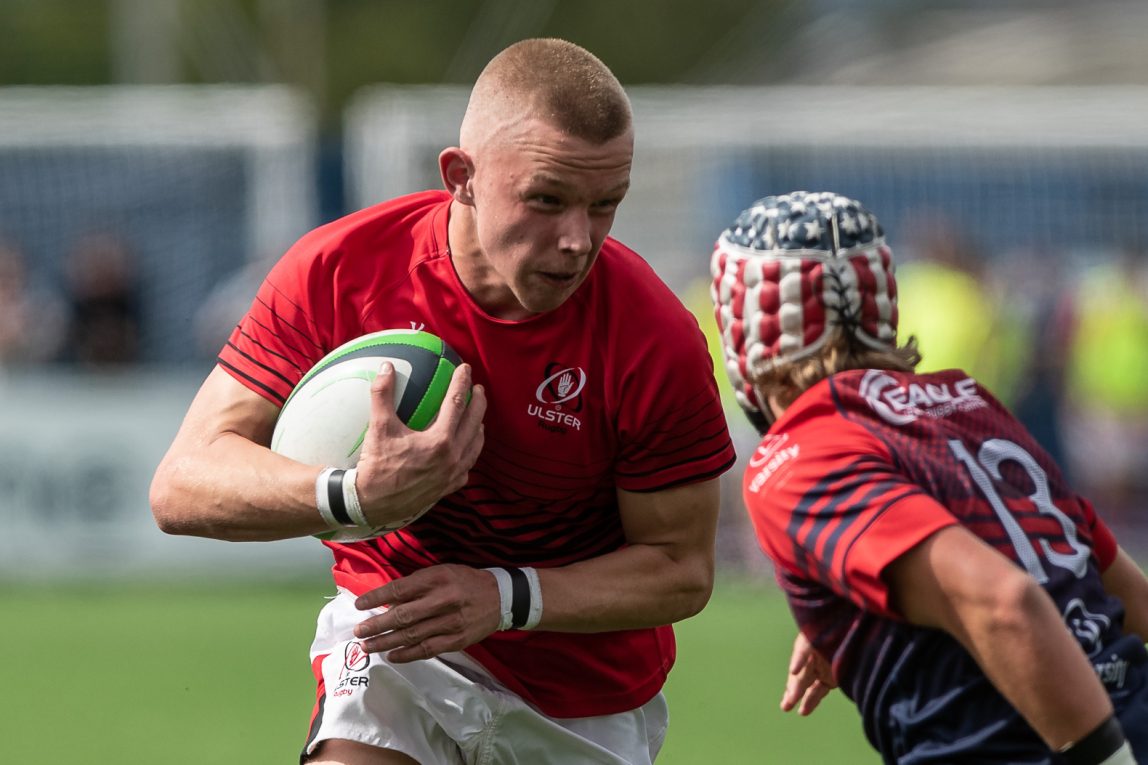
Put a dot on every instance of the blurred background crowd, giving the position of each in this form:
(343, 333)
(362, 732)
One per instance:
(156, 156)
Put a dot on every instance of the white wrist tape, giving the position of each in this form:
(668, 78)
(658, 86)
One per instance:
(520, 593)
(337, 499)
(1122, 756)
(322, 497)
(351, 499)
(535, 615)
(506, 597)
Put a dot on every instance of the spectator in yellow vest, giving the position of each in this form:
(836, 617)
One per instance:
(1108, 382)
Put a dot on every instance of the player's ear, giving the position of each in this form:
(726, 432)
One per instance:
(457, 171)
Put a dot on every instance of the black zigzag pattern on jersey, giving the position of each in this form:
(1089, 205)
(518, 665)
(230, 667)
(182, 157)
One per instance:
(575, 533)
(670, 466)
(240, 373)
(505, 477)
(453, 532)
(890, 490)
(270, 351)
(300, 333)
(270, 370)
(694, 423)
(561, 531)
(286, 342)
(832, 505)
(693, 478)
(400, 550)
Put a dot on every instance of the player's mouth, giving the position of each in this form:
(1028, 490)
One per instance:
(559, 279)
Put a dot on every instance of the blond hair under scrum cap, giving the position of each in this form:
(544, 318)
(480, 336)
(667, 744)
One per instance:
(788, 270)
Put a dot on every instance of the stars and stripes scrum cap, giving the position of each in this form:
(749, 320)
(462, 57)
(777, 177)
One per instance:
(789, 269)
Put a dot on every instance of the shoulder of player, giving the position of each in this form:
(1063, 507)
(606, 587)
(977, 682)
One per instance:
(372, 230)
(812, 437)
(635, 293)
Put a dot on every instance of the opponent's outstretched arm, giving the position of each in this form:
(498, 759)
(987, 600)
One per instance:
(220, 480)
(955, 582)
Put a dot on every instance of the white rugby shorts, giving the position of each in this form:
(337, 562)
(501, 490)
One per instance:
(450, 711)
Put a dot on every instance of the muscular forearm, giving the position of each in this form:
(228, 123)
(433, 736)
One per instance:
(449, 607)
(637, 586)
(219, 480)
(1024, 649)
(955, 582)
(236, 490)
(662, 575)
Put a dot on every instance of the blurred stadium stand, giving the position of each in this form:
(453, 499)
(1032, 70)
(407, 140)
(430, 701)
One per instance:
(1059, 168)
(196, 181)
(208, 184)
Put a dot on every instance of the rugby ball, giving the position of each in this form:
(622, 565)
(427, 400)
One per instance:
(324, 420)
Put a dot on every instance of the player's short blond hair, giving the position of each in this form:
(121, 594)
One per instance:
(559, 81)
(788, 379)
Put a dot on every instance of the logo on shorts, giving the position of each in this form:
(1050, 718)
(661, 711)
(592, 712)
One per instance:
(355, 658)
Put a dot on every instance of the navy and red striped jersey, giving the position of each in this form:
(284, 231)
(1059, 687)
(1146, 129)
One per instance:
(612, 390)
(869, 463)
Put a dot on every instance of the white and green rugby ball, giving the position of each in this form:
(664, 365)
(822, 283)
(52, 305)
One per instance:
(324, 420)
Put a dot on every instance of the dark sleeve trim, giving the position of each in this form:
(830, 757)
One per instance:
(698, 458)
(260, 364)
(271, 394)
(698, 478)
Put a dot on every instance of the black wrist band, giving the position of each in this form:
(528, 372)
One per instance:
(520, 598)
(335, 498)
(1097, 746)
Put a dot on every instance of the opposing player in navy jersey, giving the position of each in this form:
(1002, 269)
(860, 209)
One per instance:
(940, 569)
(525, 618)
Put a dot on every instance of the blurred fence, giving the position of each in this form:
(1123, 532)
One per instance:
(1054, 167)
(207, 181)
(195, 182)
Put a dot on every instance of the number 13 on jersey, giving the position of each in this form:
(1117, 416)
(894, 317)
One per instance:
(985, 468)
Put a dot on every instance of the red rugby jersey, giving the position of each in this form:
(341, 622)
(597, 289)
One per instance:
(867, 464)
(613, 389)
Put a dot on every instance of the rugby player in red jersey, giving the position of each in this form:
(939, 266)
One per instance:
(940, 569)
(525, 618)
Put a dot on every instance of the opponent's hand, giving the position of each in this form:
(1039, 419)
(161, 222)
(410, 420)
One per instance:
(431, 611)
(401, 471)
(810, 678)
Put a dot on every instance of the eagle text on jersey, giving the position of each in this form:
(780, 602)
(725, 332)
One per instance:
(901, 404)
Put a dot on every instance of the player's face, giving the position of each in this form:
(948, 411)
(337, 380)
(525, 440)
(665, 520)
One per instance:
(543, 204)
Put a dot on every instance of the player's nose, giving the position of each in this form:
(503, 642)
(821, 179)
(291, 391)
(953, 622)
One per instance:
(574, 233)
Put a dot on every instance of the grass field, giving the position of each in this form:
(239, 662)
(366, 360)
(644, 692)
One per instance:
(196, 674)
